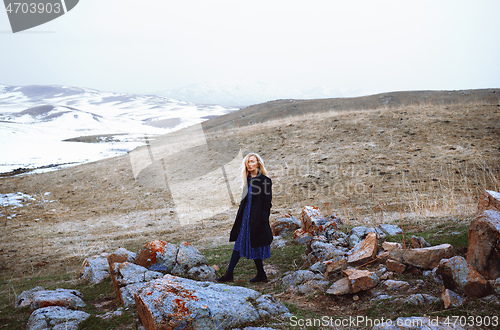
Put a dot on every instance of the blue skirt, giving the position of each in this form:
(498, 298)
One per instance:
(243, 244)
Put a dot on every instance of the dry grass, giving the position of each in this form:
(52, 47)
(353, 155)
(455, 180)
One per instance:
(410, 163)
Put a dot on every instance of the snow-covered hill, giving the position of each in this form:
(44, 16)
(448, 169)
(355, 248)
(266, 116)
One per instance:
(50, 125)
(248, 92)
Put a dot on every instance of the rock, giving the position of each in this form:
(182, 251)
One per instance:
(416, 323)
(26, 297)
(174, 303)
(187, 258)
(202, 273)
(312, 220)
(340, 287)
(158, 255)
(387, 275)
(459, 276)
(388, 246)
(95, 269)
(312, 286)
(56, 317)
(335, 266)
(484, 244)
(381, 297)
(420, 299)
(395, 266)
(111, 314)
(358, 234)
(59, 297)
(426, 258)
(488, 200)
(127, 293)
(396, 285)
(390, 230)
(299, 277)
(318, 267)
(360, 280)
(300, 236)
(321, 251)
(451, 298)
(284, 224)
(436, 277)
(126, 273)
(278, 243)
(496, 286)
(121, 255)
(418, 242)
(364, 251)
(491, 299)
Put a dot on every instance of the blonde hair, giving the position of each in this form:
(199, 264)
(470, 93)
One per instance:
(244, 163)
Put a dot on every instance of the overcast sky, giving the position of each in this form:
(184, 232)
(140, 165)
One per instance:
(152, 45)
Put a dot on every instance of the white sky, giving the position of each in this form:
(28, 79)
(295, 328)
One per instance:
(152, 45)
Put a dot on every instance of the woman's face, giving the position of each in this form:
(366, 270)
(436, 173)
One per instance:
(253, 165)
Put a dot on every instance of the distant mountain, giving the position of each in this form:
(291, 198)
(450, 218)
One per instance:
(244, 93)
(46, 125)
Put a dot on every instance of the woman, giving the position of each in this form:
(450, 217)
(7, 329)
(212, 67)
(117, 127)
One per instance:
(251, 230)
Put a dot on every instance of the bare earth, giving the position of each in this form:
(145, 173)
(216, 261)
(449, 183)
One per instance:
(369, 166)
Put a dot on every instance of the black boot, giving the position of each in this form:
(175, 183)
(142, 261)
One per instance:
(261, 274)
(227, 277)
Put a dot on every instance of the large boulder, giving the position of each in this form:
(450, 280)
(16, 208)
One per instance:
(484, 244)
(95, 269)
(126, 273)
(202, 273)
(174, 303)
(56, 318)
(364, 251)
(187, 258)
(26, 297)
(158, 255)
(284, 224)
(458, 275)
(426, 258)
(488, 200)
(59, 297)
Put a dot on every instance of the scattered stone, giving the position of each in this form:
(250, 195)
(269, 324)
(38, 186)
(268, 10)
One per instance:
(355, 297)
(283, 224)
(312, 220)
(126, 273)
(484, 244)
(340, 287)
(436, 277)
(381, 297)
(451, 298)
(111, 314)
(416, 323)
(388, 246)
(312, 286)
(158, 255)
(127, 293)
(496, 286)
(381, 271)
(390, 230)
(202, 273)
(418, 242)
(95, 269)
(396, 285)
(488, 200)
(174, 302)
(59, 297)
(321, 251)
(421, 299)
(56, 317)
(300, 276)
(491, 299)
(121, 255)
(319, 267)
(360, 280)
(395, 266)
(26, 297)
(387, 275)
(187, 258)
(364, 251)
(335, 266)
(301, 236)
(426, 258)
(458, 275)
(278, 243)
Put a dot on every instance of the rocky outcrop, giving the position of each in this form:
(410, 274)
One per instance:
(188, 257)
(364, 251)
(458, 275)
(173, 302)
(426, 258)
(56, 317)
(312, 219)
(484, 244)
(284, 224)
(95, 269)
(26, 297)
(126, 273)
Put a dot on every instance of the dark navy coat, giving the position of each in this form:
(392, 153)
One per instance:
(260, 230)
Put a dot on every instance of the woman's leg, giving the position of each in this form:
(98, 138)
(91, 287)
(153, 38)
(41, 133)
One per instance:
(228, 275)
(261, 274)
